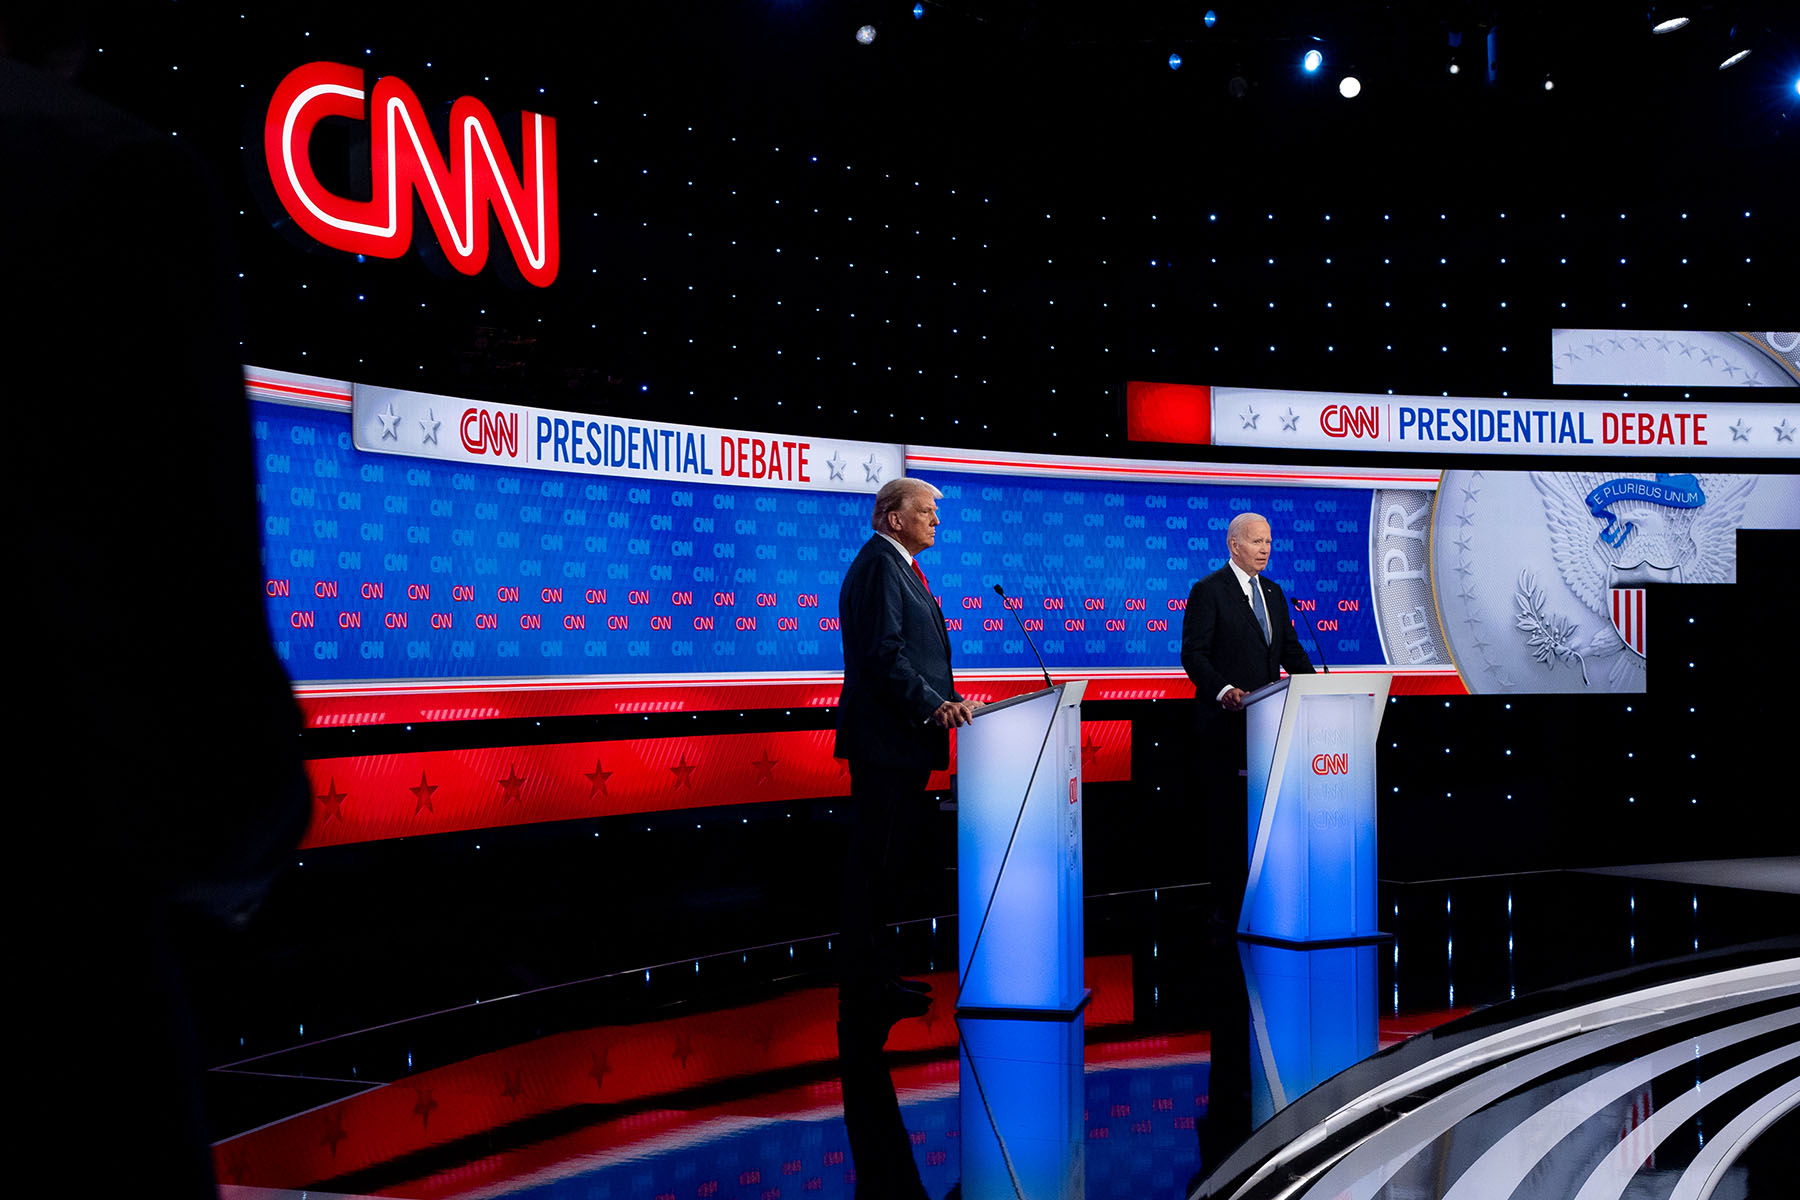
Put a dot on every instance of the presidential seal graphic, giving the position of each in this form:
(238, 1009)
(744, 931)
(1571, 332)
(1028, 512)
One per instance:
(1539, 578)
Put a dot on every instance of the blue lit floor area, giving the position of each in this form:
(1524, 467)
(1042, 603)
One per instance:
(1556, 1034)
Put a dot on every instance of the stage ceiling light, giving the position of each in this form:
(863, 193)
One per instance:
(1349, 87)
(1735, 59)
(1211, 18)
(866, 34)
(1313, 61)
(1670, 25)
(1174, 62)
(918, 12)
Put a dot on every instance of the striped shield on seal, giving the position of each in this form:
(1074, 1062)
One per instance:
(1628, 616)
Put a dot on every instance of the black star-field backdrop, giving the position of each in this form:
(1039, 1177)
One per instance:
(970, 233)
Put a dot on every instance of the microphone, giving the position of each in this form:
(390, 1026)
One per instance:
(1027, 633)
(1315, 636)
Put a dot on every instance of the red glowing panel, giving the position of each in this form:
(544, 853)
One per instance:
(1168, 412)
(442, 791)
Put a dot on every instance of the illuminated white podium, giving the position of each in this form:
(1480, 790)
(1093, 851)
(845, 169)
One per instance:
(1310, 745)
(1018, 856)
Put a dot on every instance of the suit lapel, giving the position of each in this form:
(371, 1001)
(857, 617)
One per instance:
(1240, 603)
(920, 590)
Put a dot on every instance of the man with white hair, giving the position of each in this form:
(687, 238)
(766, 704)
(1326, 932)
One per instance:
(1236, 636)
(894, 720)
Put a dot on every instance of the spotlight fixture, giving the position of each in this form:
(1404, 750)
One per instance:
(1670, 25)
(1734, 60)
(1211, 18)
(1312, 61)
(866, 34)
(1549, 84)
(1349, 87)
(1174, 62)
(918, 12)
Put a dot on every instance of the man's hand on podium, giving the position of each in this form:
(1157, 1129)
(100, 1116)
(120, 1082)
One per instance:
(953, 714)
(1233, 699)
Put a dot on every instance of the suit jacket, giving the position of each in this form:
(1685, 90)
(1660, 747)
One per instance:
(1221, 643)
(896, 664)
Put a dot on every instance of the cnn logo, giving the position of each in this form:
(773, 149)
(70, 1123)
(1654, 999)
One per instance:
(405, 160)
(1344, 420)
(1331, 764)
(495, 433)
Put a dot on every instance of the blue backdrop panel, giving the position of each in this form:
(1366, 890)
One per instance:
(381, 567)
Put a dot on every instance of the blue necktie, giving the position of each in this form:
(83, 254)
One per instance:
(1261, 609)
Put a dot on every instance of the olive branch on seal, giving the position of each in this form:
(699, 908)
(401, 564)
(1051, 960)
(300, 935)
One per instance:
(1552, 638)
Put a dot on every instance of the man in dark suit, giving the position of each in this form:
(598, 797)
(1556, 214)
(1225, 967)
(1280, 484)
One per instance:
(894, 718)
(1236, 636)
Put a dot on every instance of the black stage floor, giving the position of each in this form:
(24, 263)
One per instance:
(727, 1077)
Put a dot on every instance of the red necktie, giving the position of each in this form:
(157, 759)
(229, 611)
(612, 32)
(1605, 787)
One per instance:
(920, 572)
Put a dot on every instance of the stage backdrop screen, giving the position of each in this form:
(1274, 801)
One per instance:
(393, 569)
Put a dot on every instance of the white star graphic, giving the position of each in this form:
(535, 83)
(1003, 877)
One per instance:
(1569, 353)
(1290, 421)
(1740, 432)
(1249, 417)
(837, 465)
(1785, 432)
(390, 423)
(1662, 343)
(430, 426)
(872, 469)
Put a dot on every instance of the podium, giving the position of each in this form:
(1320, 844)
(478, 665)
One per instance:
(1312, 1014)
(1310, 746)
(1019, 859)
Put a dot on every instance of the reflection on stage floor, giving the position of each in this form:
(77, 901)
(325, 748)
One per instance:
(1433, 1064)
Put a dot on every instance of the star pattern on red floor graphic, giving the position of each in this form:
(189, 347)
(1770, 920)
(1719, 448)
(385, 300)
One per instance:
(597, 780)
(422, 796)
(334, 1130)
(682, 772)
(424, 1104)
(1089, 749)
(599, 1066)
(509, 786)
(765, 766)
(331, 801)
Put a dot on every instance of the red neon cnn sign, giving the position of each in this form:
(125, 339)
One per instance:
(405, 159)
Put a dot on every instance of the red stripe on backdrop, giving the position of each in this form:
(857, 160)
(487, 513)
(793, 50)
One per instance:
(324, 705)
(294, 389)
(629, 1065)
(443, 791)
